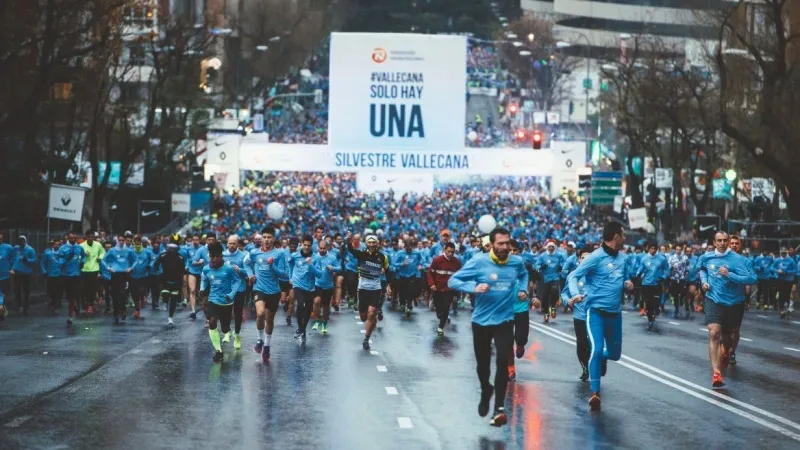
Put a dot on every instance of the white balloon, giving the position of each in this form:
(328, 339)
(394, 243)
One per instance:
(472, 135)
(275, 211)
(486, 223)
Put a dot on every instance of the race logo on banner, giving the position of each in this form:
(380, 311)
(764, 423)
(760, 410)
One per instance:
(219, 179)
(397, 91)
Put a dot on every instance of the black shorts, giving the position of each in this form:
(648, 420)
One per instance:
(196, 281)
(223, 313)
(272, 300)
(729, 317)
(368, 298)
(286, 286)
(325, 294)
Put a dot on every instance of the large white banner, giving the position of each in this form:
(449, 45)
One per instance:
(223, 158)
(569, 156)
(323, 158)
(398, 182)
(390, 90)
(181, 203)
(66, 203)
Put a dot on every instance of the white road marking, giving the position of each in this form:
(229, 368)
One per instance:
(792, 349)
(49, 336)
(405, 422)
(17, 421)
(363, 331)
(555, 334)
(382, 369)
(674, 323)
(745, 339)
(44, 353)
(391, 390)
(759, 315)
(624, 312)
(796, 322)
(703, 329)
(360, 323)
(373, 352)
(156, 341)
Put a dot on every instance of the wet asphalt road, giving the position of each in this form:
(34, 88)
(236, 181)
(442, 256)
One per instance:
(143, 386)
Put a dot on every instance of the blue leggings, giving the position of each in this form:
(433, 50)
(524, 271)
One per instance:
(605, 329)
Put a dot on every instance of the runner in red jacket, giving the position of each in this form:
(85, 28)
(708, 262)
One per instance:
(442, 267)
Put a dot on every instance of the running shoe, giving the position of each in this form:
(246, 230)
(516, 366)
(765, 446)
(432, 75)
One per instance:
(316, 325)
(380, 315)
(552, 313)
(259, 347)
(520, 351)
(783, 314)
(440, 331)
(512, 373)
(226, 337)
(170, 322)
(486, 395)
(642, 312)
(185, 303)
(547, 318)
(297, 333)
(136, 314)
(724, 359)
(324, 328)
(303, 339)
(402, 308)
(237, 341)
(193, 315)
(650, 325)
(584, 374)
(90, 310)
(733, 359)
(594, 402)
(365, 344)
(289, 320)
(265, 354)
(217, 357)
(408, 313)
(716, 380)
(69, 321)
(499, 418)
(336, 308)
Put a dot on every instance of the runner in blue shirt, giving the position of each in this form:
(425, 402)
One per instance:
(584, 346)
(268, 269)
(326, 265)
(220, 283)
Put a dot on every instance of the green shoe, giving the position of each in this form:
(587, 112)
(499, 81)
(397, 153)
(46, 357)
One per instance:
(316, 325)
(237, 341)
(227, 337)
(324, 328)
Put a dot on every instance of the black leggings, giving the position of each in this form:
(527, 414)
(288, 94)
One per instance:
(22, 290)
(678, 292)
(522, 329)
(482, 341)
(765, 295)
(548, 293)
(171, 295)
(584, 345)
(304, 302)
(784, 289)
(442, 302)
(407, 291)
(90, 287)
(651, 295)
(118, 292)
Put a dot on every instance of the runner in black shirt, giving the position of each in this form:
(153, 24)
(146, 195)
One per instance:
(371, 265)
(174, 267)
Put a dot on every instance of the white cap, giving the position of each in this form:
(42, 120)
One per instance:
(571, 244)
(372, 238)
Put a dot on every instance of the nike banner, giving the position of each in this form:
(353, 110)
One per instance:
(153, 215)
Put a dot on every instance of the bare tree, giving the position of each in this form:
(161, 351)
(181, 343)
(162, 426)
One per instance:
(756, 57)
(534, 57)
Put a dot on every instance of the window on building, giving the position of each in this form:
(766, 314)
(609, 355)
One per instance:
(62, 91)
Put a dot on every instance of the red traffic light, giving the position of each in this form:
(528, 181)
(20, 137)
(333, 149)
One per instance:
(537, 140)
(521, 135)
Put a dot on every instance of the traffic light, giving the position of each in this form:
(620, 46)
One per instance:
(537, 140)
(512, 109)
(520, 135)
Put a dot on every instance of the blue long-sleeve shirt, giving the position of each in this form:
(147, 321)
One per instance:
(324, 275)
(653, 269)
(579, 308)
(222, 283)
(244, 268)
(50, 264)
(569, 265)
(286, 269)
(25, 261)
(550, 265)
(497, 305)
(691, 275)
(119, 259)
(143, 265)
(267, 275)
(199, 260)
(761, 267)
(7, 256)
(302, 271)
(409, 270)
(728, 290)
(72, 258)
(784, 268)
(605, 277)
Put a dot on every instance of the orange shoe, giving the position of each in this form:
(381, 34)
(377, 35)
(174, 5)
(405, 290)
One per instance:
(642, 312)
(552, 313)
(716, 380)
(512, 372)
(594, 402)
(90, 310)
(136, 314)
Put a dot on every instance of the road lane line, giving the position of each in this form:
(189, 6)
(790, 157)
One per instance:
(792, 349)
(391, 390)
(745, 339)
(759, 315)
(382, 369)
(703, 329)
(359, 323)
(405, 422)
(796, 322)
(551, 332)
(17, 421)
(674, 323)
(363, 331)
(373, 352)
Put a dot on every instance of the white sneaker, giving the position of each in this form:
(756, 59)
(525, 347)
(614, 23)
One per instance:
(791, 306)
(170, 322)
